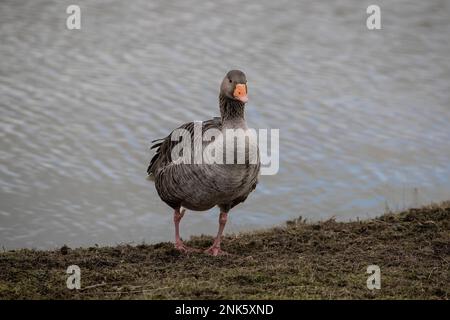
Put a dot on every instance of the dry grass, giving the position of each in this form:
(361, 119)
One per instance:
(326, 260)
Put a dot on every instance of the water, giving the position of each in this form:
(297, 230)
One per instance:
(363, 115)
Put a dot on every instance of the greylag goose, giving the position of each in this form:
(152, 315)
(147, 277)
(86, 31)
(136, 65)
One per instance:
(201, 186)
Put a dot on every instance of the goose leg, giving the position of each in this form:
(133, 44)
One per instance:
(179, 245)
(215, 248)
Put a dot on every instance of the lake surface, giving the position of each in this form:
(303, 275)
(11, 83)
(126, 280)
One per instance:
(363, 115)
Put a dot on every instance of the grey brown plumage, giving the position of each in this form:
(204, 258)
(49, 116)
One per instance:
(202, 186)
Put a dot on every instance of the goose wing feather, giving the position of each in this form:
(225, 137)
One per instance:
(165, 145)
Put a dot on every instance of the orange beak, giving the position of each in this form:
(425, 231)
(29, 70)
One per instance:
(240, 92)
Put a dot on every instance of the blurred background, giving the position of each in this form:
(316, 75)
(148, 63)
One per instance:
(363, 115)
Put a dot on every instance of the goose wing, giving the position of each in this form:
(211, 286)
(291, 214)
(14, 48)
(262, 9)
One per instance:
(164, 146)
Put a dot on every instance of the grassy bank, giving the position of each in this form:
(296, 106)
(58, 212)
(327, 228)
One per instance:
(298, 261)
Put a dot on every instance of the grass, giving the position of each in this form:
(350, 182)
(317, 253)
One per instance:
(324, 260)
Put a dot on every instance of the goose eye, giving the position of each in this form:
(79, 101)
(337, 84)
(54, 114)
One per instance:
(230, 80)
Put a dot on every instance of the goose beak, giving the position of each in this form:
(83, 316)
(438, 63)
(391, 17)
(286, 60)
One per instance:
(240, 92)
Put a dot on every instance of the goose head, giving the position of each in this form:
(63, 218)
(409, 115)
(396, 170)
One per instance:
(234, 86)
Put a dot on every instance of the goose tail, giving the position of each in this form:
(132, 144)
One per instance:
(150, 170)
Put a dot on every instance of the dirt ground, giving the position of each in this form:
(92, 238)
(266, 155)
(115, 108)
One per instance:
(325, 260)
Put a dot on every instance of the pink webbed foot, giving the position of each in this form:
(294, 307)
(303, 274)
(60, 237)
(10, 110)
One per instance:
(180, 246)
(216, 251)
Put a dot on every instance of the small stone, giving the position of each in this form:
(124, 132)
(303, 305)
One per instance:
(64, 250)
